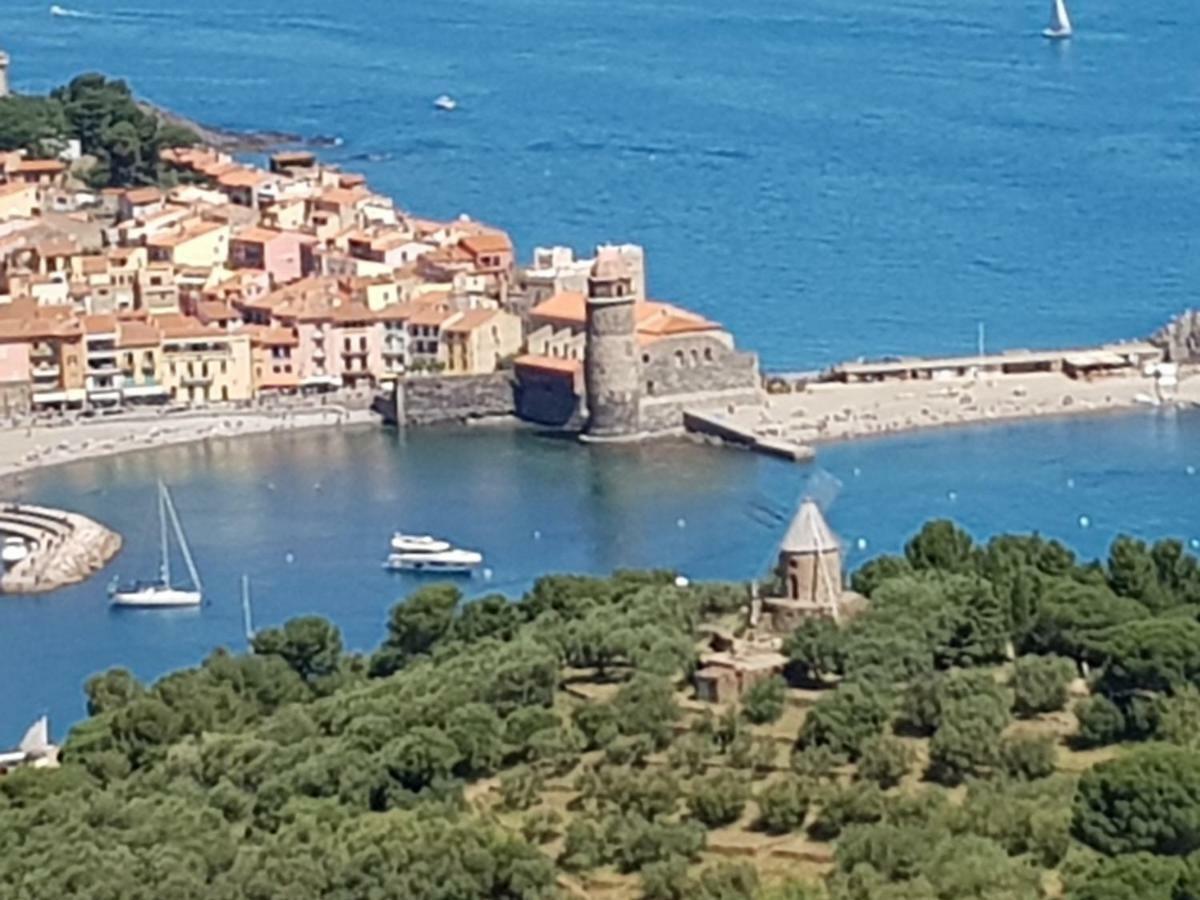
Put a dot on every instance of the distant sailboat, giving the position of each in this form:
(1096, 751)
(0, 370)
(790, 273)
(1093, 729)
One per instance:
(1060, 22)
(162, 593)
(35, 748)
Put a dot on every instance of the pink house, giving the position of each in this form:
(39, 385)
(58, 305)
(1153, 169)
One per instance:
(284, 255)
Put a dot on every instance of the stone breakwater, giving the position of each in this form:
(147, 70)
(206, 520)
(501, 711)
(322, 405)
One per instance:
(63, 548)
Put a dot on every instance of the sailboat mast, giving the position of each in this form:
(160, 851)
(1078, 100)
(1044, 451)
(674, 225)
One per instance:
(164, 558)
(183, 544)
(247, 619)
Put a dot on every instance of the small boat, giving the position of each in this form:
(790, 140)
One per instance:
(446, 103)
(57, 10)
(1060, 22)
(453, 561)
(14, 550)
(162, 593)
(418, 543)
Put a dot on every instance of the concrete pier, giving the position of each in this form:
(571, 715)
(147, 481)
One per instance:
(64, 548)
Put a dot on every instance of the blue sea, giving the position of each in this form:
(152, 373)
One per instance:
(829, 179)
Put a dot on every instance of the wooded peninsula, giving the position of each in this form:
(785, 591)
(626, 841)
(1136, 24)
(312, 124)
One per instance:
(1002, 721)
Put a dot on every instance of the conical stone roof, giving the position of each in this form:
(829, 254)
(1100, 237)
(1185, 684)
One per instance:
(809, 532)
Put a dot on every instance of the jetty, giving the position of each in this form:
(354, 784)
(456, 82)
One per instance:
(63, 548)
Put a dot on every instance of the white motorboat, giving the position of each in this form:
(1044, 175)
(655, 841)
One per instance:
(418, 543)
(162, 593)
(449, 561)
(1060, 23)
(446, 103)
(14, 550)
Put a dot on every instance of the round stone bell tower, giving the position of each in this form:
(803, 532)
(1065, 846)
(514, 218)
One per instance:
(612, 371)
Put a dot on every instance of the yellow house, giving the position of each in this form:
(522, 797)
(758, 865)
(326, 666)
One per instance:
(18, 200)
(479, 340)
(198, 245)
(139, 355)
(201, 364)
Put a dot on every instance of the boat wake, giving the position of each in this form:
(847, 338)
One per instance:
(63, 12)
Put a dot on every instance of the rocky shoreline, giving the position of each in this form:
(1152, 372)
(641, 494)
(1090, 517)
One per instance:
(232, 141)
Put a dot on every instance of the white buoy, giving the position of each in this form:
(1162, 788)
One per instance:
(289, 558)
(270, 485)
(1191, 470)
(681, 581)
(487, 574)
(682, 523)
(1084, 522)
(537, 535)
(861, 543)
(1070, 482)
(857, 471)
(317, 487)
(952, 496)
(1195, 544)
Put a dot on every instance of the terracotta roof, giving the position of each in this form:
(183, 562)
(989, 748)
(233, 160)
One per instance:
(99, 324)
(396, 312)
(242, 178)
(471, 320)
(268, 336)
(40, 166)
(352, 312)
(258, 235)
(138, 334)
(352, 180)
(343, 196)
(215, 311)
(144, 195)
(176, 325)
(568, 306)
(548, 364)
(478, 244)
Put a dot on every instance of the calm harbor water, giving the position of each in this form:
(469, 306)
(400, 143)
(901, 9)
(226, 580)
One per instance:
(829, 179)
(328, 501)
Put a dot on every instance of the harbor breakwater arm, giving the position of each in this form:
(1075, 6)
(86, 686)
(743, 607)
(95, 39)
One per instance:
(63, 548)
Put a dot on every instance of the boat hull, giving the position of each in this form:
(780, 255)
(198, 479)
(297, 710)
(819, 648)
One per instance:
(455, 562)
(156, 598)
(1053, 34)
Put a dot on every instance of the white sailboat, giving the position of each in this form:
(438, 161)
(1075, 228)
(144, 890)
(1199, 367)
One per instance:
(162, 593)
(1060, 23)
(35, 748)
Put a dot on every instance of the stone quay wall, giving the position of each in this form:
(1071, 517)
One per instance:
(440, 399)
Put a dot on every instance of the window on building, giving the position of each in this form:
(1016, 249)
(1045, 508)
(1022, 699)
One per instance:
(646, 358)
(650, 387)
(679, 359)
(708, 354)
(223, 367)
(362, 343)
(695, 357)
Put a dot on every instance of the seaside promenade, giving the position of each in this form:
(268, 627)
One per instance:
(42, 445)
(829, 412)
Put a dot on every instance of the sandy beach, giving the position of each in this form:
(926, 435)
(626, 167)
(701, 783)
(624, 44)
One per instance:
(25, 448)
(831, 412)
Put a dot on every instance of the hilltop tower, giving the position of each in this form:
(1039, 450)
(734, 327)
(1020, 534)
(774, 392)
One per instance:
(4, 61)
(810, 559)
(612, 372)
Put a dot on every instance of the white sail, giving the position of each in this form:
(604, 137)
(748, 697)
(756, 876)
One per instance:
(1060, 22)
(37, 738)
(164, 593)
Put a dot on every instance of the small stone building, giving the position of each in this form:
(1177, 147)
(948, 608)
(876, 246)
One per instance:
(810, 564)
(725, 676)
